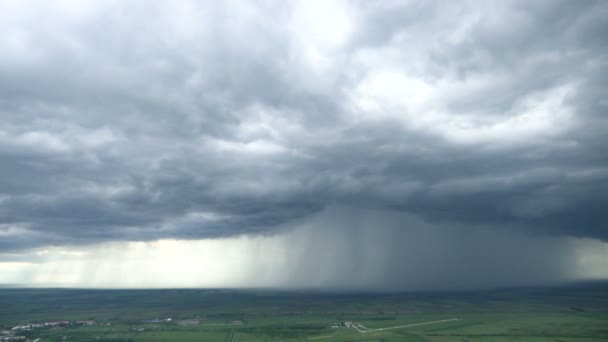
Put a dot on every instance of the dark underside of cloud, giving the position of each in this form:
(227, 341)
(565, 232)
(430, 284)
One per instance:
(150, 121)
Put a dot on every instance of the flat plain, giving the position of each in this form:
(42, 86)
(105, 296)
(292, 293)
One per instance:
(577, 312)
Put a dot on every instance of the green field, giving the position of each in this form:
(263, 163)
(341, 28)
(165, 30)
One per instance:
(569, 313)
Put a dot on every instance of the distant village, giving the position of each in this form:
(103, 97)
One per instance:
(14, 333)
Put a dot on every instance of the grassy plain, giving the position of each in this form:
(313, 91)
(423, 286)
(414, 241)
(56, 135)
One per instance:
(560, 314)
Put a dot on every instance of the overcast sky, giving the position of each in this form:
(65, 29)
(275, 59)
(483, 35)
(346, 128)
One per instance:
(402, 144)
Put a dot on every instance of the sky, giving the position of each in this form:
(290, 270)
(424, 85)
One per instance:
(344, 145)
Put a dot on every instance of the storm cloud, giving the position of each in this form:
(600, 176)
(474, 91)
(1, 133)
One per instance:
(338, 249)
(140, 121)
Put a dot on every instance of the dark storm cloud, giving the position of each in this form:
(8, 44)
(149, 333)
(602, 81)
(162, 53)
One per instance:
(144, 121)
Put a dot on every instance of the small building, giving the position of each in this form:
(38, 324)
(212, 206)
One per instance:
(190, 321)
(84, 322)
(151, 321)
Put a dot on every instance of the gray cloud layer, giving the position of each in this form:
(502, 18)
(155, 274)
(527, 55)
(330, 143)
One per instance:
(139, 121)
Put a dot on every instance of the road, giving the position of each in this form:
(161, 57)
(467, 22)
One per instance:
(359, 327)
(231, 336)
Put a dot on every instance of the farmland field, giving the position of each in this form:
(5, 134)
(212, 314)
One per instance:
(567, 313)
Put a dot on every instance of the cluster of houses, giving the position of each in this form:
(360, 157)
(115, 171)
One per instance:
(191, 321)
(12, 335)
(9, 336)
(30, 326)
(158, 320)
(342, 325)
